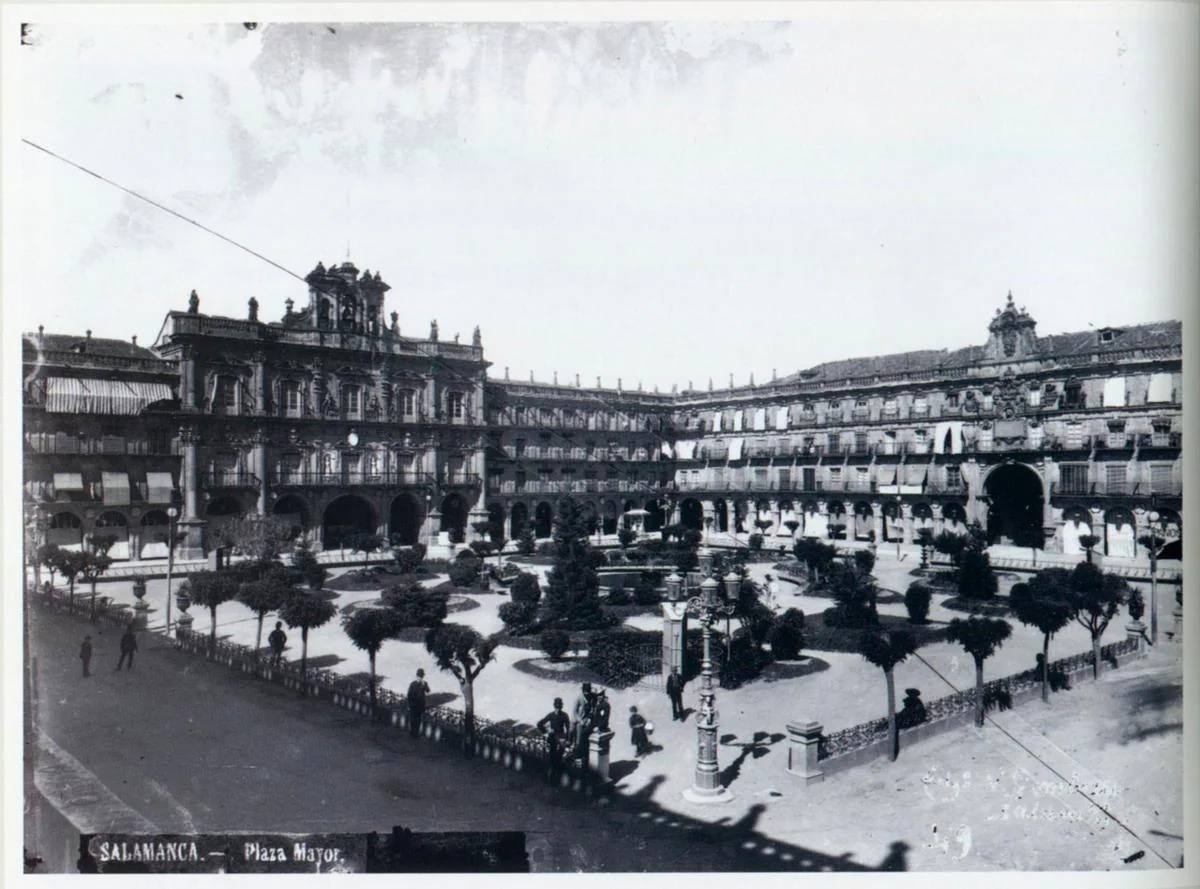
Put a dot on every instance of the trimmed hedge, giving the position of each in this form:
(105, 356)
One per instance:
(618, 657)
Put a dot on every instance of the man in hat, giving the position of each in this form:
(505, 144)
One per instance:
(277, 640)
(581, 723)
(128, 647)
(85, 655)
(417, 690)
(675, 693)
(556, 725)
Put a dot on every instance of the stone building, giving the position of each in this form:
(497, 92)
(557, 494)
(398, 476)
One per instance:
(334, 421)
(1041, 440)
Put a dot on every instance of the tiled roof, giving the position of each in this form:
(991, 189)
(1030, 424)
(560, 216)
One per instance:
(1162, 333)
(59, 342)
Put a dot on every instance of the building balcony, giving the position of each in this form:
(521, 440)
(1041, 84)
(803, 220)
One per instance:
(1139, 490)
(347, 478)
(92, 447)
(232, 478)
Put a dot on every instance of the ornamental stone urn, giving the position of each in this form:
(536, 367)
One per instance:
(139, 593)
(183, 601)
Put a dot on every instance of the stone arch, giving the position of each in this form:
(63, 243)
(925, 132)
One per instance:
(691, 514)
(292, 509)
(405, 517)
(543, 519)
(518, 518)
(65, 530)
(1120, 533)
(954, 518)
(609, 517)
(893, 525)
(656, 519)
(454, 516)
(720, 516)
(839, 526)
(922, 518)
(1169, 530)
(1015, 495)
(813, 523)
(864, 520)
(344, 517)
(1077, 522)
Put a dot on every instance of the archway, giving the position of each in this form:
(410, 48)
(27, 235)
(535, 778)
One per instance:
(1169, 531)
(1077, 522)
(864, 521)
(518, 518)
(404, 520)
(543, 520)
(609, 519)
(66, 530)
(292, 510)
(454, 517)
(591, 516)
(155, 528)
(114, 526)
(922, 520)
(720, 516)
(626, 519)
(787, 513)
(837, 522)
(691, 514)
(893, 529)
(954, 518)
(654, 521)
(1015, 508)
(814, 524)
(1119, 534)
(344, 517)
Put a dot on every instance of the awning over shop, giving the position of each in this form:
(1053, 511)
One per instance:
(735, 448)
(915, 473)
(68, 481)
(159, 487)
(885, 474)
(947, 437)
(115, 488)
(72, 395)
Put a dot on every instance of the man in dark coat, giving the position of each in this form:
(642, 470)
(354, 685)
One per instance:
(85, 654)
(675, 693)
(277, 640)
(639, 738)
(556, 726)
(417, 690)
(581, 723)
(128, 647)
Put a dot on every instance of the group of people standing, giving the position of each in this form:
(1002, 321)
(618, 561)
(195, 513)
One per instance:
(128, 646)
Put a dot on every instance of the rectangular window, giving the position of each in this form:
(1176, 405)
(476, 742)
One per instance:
(810, 478)
(920, 406)
(408, 403)
(954, 477)
(225, 396)
(835, 475)
(1036, 434)
(352, 402)
(785, 478)
(1160, 478)
(1073, 478)
(291, 398)
(1073, 396)
(1114, 478)
(1074, 435)
(952, 399)
(1035, 397)
(455, 404)
(860, 442)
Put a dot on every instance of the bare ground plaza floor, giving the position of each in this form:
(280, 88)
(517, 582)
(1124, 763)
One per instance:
(184, 744)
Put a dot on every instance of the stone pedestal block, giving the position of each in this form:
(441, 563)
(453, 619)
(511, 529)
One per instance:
(599, 744)
(803, 741)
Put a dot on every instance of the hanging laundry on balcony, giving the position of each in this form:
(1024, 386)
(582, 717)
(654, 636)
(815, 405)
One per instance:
(737, 421)
(735, 447)
(947, 437)
(1160, 388)
(885, 478)
(68, 481)
(685, 450)
(781, 418)
(1114, 392)
(760, 419)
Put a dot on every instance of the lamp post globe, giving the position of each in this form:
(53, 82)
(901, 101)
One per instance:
(706, 780)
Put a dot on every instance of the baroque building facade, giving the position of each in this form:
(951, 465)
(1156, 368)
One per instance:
(332, 420)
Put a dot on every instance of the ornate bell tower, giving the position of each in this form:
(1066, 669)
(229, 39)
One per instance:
(1012, 334)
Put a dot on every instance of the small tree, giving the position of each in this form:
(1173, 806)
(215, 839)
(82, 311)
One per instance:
(265, 595)
(518, 617)
(211, 589)
(555, 643)
(950, 545)
(763, 524)
(976, 579)
(786, 635)
(409, 558)
(855, 594)
(864, 561)
(1095, 598)
(1044, 603)
(526, 588)
(625, 537)
(260, 538)
(464, 572)
(755, 542)
(885, 649)
(92, 565)
(306, 611)
(50, 555)
(573, 587)
(463, 652)
(1088, 542)
(368, 629)
(71, 565)
(792, 525)
(980, 637)
(917, 600)
(416, 606)
(527, 541)
(815, 555)
(307, 568)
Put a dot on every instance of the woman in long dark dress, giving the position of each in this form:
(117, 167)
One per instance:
(639, 738)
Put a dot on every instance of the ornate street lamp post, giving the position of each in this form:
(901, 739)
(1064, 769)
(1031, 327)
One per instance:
(706, 782)
(1154, 518)
(172, 515)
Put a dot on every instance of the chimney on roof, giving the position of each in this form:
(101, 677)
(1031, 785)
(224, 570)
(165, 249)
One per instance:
(287, 306)
(639, 385)
(731, 381)
(774, 375)
(252, 309)
(134, 338)
(531, 376)
(751, 378)
(618, 384)
(89, 334)
(710, 384)
(674, 388)
(556, 378)
(576, 381)
(396, 323)
(41, 334)
(506, 371)
(598, 383)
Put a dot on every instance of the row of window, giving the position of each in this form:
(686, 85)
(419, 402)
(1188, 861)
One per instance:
(229, 398)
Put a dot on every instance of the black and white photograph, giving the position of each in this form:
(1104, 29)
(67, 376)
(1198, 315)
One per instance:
(600, 438)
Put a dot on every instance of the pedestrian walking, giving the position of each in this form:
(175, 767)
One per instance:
(277, 640)
(128, 647)
(639, 737)
(675, 693)
(417, 690)
(85, 655)
(556, 725)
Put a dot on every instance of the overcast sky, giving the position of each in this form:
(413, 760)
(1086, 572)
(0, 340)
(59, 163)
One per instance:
(660, 202)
